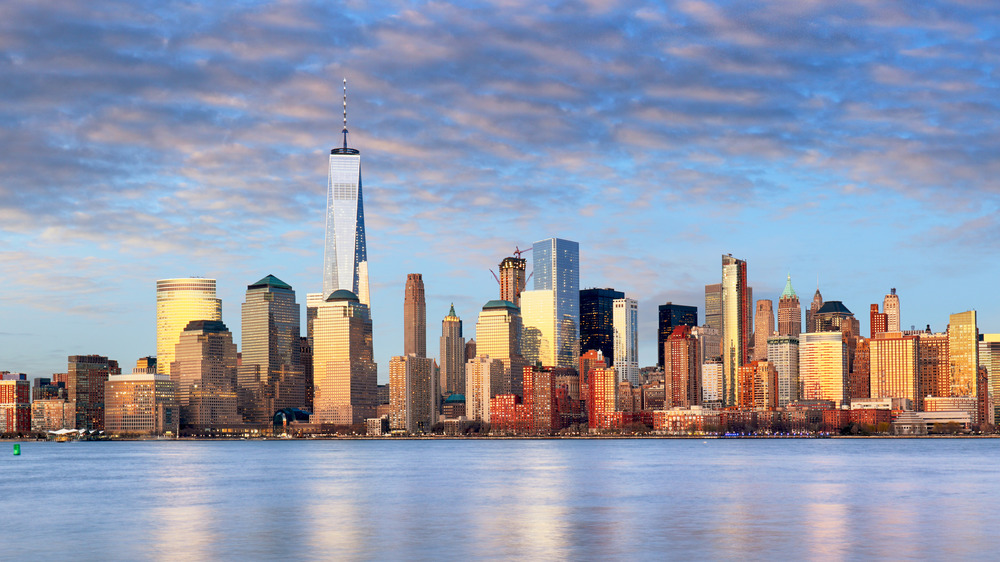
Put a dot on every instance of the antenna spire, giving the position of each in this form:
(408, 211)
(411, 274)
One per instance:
(345, 113)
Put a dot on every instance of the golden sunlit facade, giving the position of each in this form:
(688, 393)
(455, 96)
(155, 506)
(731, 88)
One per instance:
(483, 380)
(498, 335)
(179, 301)
(204, 370)
(538, 308)
(895, 367)
(735, 325)
(963, 352)
(344, 370)
(823, 366)
(142, 402)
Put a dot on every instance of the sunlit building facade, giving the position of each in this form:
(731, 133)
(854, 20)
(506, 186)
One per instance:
(890, 307)
(204, 372)
(783, 353)
(15, 405)
(452, 354)
(963, 351)
(414, 316)
(934, 367)
(178, 302)
(626, 340)
(758, 386)
(512, 279)
(735, 325)
(553, 308)
(989, 357)
(823, 367)
(141, 403)
(484, 378)
(789, 312)
(85, 388)
(498, 335)
(895, 367)
(344, 370)
(682, 368)
(763, 328)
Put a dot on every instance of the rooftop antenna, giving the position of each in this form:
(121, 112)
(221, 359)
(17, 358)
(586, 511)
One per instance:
(345, 113)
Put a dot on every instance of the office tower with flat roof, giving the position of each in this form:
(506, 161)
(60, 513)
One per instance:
(859, 377)
(758, 386)
(735, 324)
(512, 279)
(204, 372)
(934, 370)
(551, 312)
(344, 370)
(763, 328)
(470, 350)
(85, 388)
(270, 375)
(15, 404)
(783, 353)
(681, 368)
(597, 319)
(414, 317)
(814, 306)
(878, 321)
(711, 383)
(178, 302)
(963, 352)
(345, 254)
(713, 319)
(626, 340)
(671, 316)
(452, 354)
(540, 408)
(789, 312)
(602, 403)
(890, 306)
(989, 357)
(823, 367)
(498, 336)
(895, 367)
(141, 403)
(413, 393)
(484, 377)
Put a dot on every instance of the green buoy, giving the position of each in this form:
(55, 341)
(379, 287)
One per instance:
(17, 449)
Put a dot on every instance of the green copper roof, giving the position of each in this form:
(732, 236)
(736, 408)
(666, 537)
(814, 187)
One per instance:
(501, 304)
(789, 291)
(342, 295)
(270, 281)
(451, 313)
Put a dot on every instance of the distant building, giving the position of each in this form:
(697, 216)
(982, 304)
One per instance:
(963, 352)
(711, 383)
(85, 388)
(713, 319)
(789, 312)
(814, 306)
(895, 367)
(682, 368)
(670, 316)
(758, 386)
(736, 325)
(833, 316)
(204, 372)
(878, 321)
(603, 400)
(763, 328)
(512, 279)
(452, 354)
(414, 393)
(539, 401)
(498, 334)
(142, 402)
(823, 367)
(597, 320)
(783, 353)
(551, 312)
(934, 367)
(890, 305)
(414, 317)
(15, 405)
(626, 340)
(484, 379)
(989, 357)
(52, 414)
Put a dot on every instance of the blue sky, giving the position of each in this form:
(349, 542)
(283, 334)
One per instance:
(851, 142)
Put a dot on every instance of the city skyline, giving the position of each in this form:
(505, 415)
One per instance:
(720, 136)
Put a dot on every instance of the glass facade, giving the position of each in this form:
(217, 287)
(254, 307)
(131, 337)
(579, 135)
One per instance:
(557, 269)
(823, 367)
(735, 325)
(498, 336)
(345, 255)
(963, 352)
(894, 371)
(626, 328)
(178, 302)
(596, 321)
(671, 316)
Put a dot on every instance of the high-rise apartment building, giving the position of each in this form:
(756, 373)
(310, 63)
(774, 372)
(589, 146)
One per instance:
(890, 305)
(682, 368)
(713, 319)
(602, 403)
(551, 312)
(934, 370)
(735, 324)
(539, 403)
(484, 378)
(789, 312)
(963, 352)
(15, 404)
(758, 386)
(452, 354)
(989, 357)
(413, 393)
(626, 328)
(783, 353)
(414, 317)
(512, 279)
(142, 402)
(823, 367)
(879, 321)
(498, 336)
(763, 328)
(270, 376)
(345, 255)
(671, 316)
(85, 388)
(178, 302)
(596, 320)
(344, 370)
(204, 372)
(895, 367)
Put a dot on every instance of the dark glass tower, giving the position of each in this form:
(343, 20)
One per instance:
(596, 327)
(671, 316)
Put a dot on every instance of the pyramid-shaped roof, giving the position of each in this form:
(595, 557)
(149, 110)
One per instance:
(789, 292)
(270, 281)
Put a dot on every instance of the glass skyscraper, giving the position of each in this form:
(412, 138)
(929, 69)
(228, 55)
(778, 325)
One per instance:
(178, 302)
(553, 307)
(596, 331)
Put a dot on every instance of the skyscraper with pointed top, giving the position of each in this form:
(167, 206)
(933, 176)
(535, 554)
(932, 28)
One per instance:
(345, 254)
(452, 354)
(789, 312)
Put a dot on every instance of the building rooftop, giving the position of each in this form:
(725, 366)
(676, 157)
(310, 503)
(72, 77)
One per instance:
(501, 304)
(789, 292)
(206, 326)
(270, 281)
(342, 295)
(834, 306)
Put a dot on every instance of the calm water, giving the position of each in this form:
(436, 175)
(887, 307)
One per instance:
(579, 499)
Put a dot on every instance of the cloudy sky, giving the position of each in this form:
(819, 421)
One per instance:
(851, 143)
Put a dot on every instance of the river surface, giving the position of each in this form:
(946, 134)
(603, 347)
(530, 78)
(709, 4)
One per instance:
(648, 499)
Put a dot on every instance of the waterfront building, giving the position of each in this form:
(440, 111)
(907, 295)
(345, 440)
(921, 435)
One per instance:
(413, 393)
(270, 374)
(345, 254)
(142, 402)
(15, 404)
(735, 325)
(967, 404)
(344, 370)
(672, 315)
(414, 317)
(204, 372)
(763, 328)
(44, 389)
(758, 386)
(711, 383)
(52, 414)
(512, 279)
(498, 334)
(539, 400)
(963, 352)
(551, 312)
(823, 367)
(603, 400)
(989, 357)
(452, 354)
(681, 368)
(713, 319)
(814, 306)
(597, 320)
(306, 358)
(783, 354)
(178, 302)
(789, 312)
(87, 375)
(895, 367)
(626, 331)
(890, 307)
(934, 367)
(484, 378)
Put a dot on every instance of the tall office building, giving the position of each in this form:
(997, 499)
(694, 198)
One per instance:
(512, 279)
(344, 370)
(452, 354)
(823, 367)
(989, 357)
(596, 320)
(789, 312)
(682, 368)
(178, 302)
(890, 305)
(763, 328)
(814, 306)
(626, 327)
(345, 255)
(414, 317)
(270, 375)
(671, 316)
(142, 402)
(735, 324)
(498, 336)
(484, 379)
(551, 312)
(204, 372)
(713, 319)
(783, 353)
(963, 352)
(413, 393)
(934, 373)
(895, 367)
(85, 388)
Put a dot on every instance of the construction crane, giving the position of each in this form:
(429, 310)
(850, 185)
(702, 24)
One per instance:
(517, 252)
